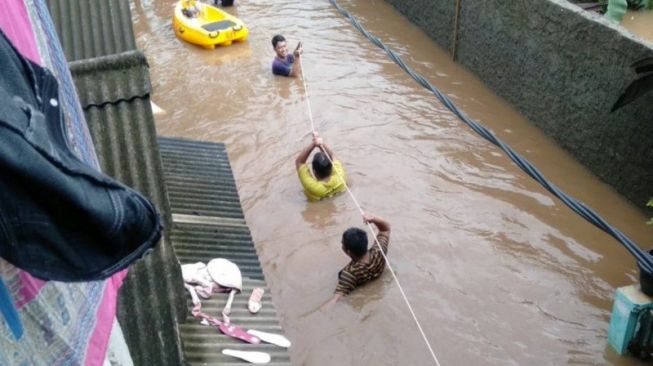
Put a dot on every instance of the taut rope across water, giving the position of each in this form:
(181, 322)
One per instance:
(369, 226)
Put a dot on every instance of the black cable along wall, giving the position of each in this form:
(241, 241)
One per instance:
(644, 259)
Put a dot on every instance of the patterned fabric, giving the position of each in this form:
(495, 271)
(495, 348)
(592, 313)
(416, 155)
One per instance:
(78, 134)
(64, 323)
(318, 189)
(357, 273)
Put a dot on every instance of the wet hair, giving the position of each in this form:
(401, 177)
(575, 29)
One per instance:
(355, 241)
(276, 39)
(321, 165)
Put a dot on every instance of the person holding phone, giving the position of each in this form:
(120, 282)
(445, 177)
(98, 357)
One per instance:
(285, 63)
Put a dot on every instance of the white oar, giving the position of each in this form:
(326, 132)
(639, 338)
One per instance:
(249, 356)
(276, 339)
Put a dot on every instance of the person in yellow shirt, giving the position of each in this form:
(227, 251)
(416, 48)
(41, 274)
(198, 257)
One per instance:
(327, 178)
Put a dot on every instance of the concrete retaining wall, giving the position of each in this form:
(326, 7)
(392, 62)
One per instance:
(563, 68)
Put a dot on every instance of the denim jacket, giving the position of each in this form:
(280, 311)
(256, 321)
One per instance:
(59, 218)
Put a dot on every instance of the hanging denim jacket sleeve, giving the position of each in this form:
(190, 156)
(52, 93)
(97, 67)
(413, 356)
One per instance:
(59, 218)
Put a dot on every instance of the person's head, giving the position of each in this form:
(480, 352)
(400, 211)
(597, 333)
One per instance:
(321, 165)
(280, 46)
(354, 242)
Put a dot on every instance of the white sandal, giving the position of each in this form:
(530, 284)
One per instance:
(254, 304)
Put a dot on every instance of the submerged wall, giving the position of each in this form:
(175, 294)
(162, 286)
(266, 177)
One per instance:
(563, 68)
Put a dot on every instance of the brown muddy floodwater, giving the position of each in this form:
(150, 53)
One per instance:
(640, 23)
(498, 272)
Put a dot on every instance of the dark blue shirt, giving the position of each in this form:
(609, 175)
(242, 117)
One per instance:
(283, 67)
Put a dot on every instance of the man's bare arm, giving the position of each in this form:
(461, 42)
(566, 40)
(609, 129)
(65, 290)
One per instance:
(304, 154)
(332, 301)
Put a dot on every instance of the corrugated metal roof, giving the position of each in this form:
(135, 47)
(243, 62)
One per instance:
(208, 223)
(196, 171)
(92, 28)
(114, 90)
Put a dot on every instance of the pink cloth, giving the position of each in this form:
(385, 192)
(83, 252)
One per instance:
(100, 338)
(16, 24)
(29, 289)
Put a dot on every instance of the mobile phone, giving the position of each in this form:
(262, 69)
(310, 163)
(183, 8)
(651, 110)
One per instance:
(299, 45)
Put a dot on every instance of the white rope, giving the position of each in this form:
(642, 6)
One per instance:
(308, 103)
(351, 194)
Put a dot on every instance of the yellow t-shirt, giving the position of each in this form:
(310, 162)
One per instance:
(316, 189)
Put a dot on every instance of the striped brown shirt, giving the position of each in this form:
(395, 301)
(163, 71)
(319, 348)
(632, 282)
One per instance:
(357, 273)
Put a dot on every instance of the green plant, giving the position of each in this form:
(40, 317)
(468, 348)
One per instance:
(650, 204)
(617, 8)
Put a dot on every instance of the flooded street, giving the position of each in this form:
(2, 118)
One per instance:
(497, 270)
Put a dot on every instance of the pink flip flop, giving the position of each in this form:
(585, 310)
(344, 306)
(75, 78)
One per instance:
(254, 304)
(224, 326)
(238, 333)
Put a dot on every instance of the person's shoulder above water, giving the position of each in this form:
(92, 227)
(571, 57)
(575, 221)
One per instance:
(283, 67)
(366, 265)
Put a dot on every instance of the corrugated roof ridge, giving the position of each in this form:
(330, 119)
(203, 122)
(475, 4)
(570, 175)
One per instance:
(123, 60)
(111, 79)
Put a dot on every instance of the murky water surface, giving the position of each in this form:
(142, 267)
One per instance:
(498, 272)
(640, 23)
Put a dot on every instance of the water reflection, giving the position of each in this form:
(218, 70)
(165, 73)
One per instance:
(221, 55)
(320, 214)
(284, 87)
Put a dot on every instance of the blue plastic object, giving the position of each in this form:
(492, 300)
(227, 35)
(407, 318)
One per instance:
(629, 301)
(9, 311)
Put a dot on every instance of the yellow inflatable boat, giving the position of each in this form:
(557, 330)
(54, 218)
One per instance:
(206, 25)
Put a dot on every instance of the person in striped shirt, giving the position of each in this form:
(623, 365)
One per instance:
(366, 265)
